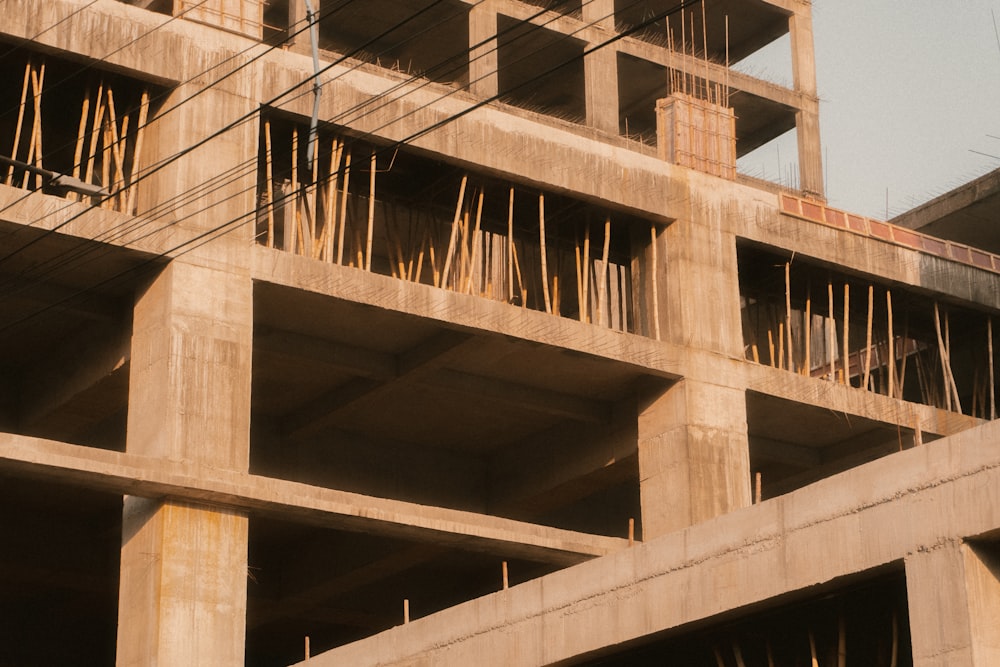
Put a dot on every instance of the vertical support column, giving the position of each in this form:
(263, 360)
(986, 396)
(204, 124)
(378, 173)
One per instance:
(953, 593)
(182, 590)
(484, 63)
(694, 462)
(297, 32)
(806, 118)
(601, 69)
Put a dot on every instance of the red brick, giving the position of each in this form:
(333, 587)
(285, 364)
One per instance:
(812, 211)
(880, 230)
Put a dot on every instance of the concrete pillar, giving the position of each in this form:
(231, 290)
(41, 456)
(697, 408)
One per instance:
(182, 590)
(953, 593)
(601, 70)
(807, 118)
(483, 59)
(694, 462)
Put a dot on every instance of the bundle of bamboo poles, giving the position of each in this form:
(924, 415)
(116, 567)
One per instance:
(108, 148)
(319, 216)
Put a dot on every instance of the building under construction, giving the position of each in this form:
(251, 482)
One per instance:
(446, 332)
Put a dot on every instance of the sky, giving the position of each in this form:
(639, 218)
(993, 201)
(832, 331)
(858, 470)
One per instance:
(909, 100)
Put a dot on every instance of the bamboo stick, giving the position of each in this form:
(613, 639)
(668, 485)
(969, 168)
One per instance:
(944, 358)
(343, 208)
(38, 81)
(905, 354)
(95, 134)
(542, 253)
(81, 134)
(831, 331)
(807, 364)
(846, 351)
(989, 349)
(510, 246)
(770, 347)
(788, 315)
(475, 244)
(117, 151)
(330, 206)
(585, 308)
(652, 276)
(293, 234)
(757, 488)
(503, 569)
(454, 233)
(770, 654)
(718, 658)
(868, 337)
(812, 650)
(841, 641)
(631, 531)
(269, 177)
(737, 653)
(313, 195)
(579, 277)
(520, 281)
(106, 147)
(602, 289)
(891, 346)
(20, 120)
(894, 657)
(371, 213)
(140, 130)
(951, 373)
(781, 344)
(406, 610)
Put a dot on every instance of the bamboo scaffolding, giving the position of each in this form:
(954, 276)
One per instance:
(894, 656)
(585, 305)
(292, 234)
(542, 253)
(140, 130)
(81, 136)
(454, 234)
(117, 150)
(269, 178)
(841, 641)
(106, 154)
(474, 254)
(943, 354)
(868, 337)
(781, 344)
(905, 354)
(329, 233)
(20, 120)
(371, 213)
(738, 654)
(770, 347)
(807, 322)
(890, 346)
(343, 208)
(510, 246)
(831, 332)
(812, 650)
(989, 350)
(602, 288)
(38, 82)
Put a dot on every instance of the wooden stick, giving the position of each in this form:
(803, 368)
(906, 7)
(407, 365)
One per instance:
(831, 331)
(868, 337)
(807, 364)
(140, 130)
(770, 347)
(718, 657)
(951, 373)
(788, 314)
(602, 288)
(846, 351)
(520, 281)
(905, 354)
(510, 247)
(541, 243)
(989, 349)
(406, 610)
(737, 653)
(81, 134)
(269, 177)
(652, 276)
(371, 213)
(891, 347)
(343, 208)
(94, 134)
(454, 234)
(585, 308)
(292, 234)
(503, 569)
(106, 152)
(781, 344)
(330, 204)
(943, 353)
(894, 657)
(38, 82)
(307, 640)
(770, 654)
(20, 120)
(475, 244)
(812, 649)
(631, 531)
(757, 489)
(841, 641)
(117, 150)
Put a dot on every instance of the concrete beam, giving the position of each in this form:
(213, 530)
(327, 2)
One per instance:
(750, 559)
(188, 482)
(347, 358)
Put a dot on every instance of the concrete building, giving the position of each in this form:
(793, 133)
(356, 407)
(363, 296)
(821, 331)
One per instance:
(499, 363)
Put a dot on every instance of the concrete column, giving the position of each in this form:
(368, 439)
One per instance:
(182, 591)
(483, 60)
(601, 69)
(953, 593)
(807, 118)
(694, 462)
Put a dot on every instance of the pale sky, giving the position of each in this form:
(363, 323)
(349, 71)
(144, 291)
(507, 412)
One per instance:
(908, 89)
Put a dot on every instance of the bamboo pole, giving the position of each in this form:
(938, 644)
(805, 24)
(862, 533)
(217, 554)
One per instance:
(38, 82)
(510, 246)
(841, 641)
(894, 657)
(585, 308)
(989, 349)
(951, 373)
(602, 288)
(293, 234)
(943, 353)
(631, 531)
(905, 354)
(343, 208)
(544, 263)
(81, 134)
(503, 570)
(737, 653)
(454, 233)
(652, 276)
(718, 657)
(106, 153)
(812, 650)
(117, 152)
(891, 346)
(20, 120)
(831, 331)
(846, 351)
(313, 195)
(770, 654)
(406, 610)
(371, 213)
(474, 255)
(868, 337)
(140, 130)
(330, 206)
(781, 344)
(770, 347)
(579, 276)
(269, 177)
(95, 134)
(807, 364)
(788, 314)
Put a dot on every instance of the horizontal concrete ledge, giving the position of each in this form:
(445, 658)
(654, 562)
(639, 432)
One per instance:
(155, 478)
(866, 518)
(465, 311)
